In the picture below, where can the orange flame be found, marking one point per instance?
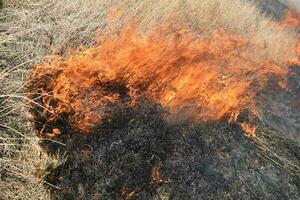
(249, 130)
(195, 79)
(291, 19)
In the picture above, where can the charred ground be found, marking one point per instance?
(136, 153)
(203, 161)
(212, 160)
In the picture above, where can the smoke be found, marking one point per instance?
(292, 4)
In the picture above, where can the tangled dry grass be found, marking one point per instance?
(39, 28)
(30, 30)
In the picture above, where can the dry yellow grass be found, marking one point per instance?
(33, 29)
(19, 150)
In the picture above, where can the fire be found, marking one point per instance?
(155, 176)
(291, 19)
(194, 78)
(249, 130)
(127, 195)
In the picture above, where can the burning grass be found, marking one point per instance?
(164, 83)
(195, 79)
(152, 113)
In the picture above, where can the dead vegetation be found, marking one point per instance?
(19, 150)
(40, 28)
(33, 29)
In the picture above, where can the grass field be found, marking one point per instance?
(31, 30)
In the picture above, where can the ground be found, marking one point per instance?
(138, 154)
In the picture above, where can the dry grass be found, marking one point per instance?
(33, 29)
(44, 27)
(19, 150)
(235, 16)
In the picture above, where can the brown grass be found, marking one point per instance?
(33, 29)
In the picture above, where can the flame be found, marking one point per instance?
(194, 78)
(291, 19)
(249, 130)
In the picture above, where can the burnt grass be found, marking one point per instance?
(212, 160)
(201, 161)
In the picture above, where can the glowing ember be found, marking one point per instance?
(127, 195)
(249, 130)
(155, 176)
(195, 79)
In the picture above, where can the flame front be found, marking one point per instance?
(194, 78)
